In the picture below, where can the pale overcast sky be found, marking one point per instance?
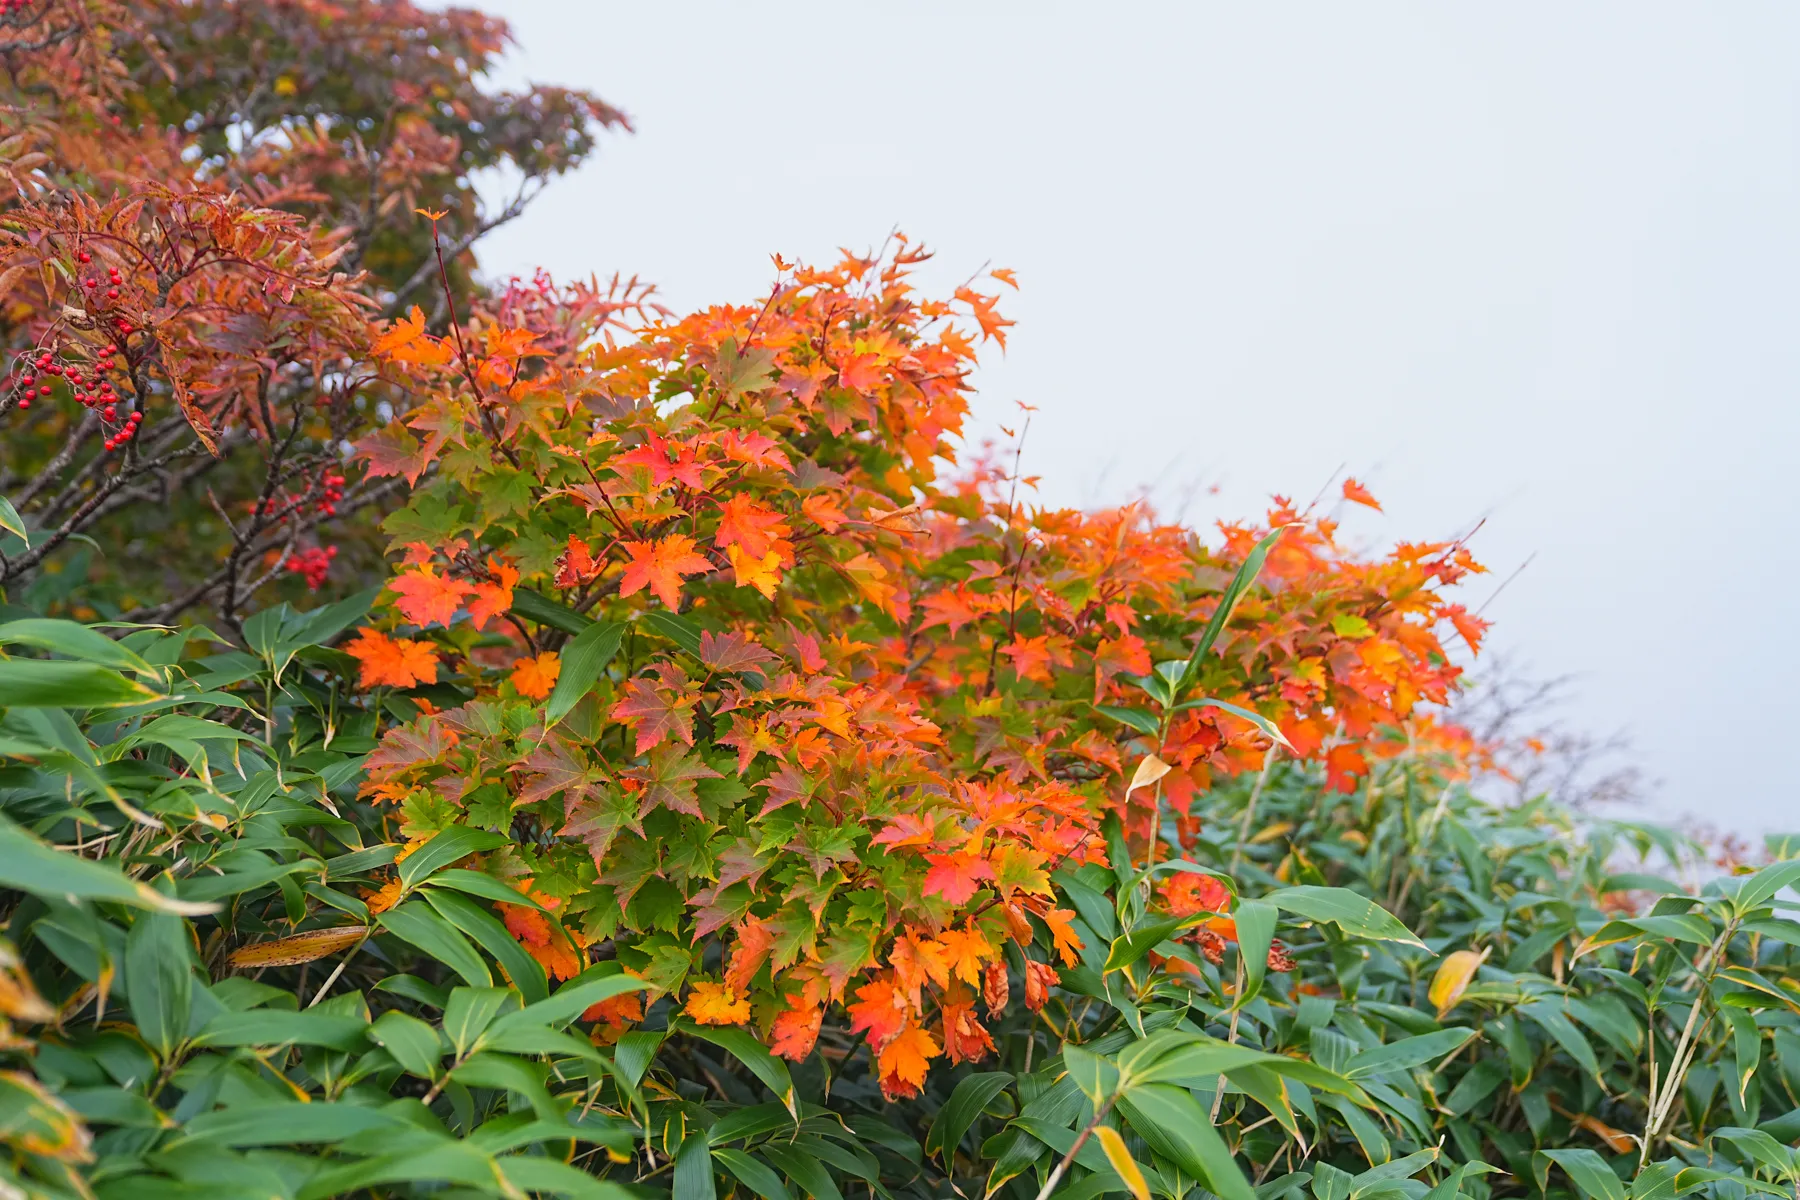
(1533, 262)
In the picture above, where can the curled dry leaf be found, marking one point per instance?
(300, 948)
(1147, 773)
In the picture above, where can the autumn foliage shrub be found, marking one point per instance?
(740, 656)
(727, 783)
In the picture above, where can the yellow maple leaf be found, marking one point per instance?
(714, 1004)
(759, 573)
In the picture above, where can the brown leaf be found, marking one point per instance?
(305, 947)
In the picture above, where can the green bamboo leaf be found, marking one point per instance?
(802, 1169)
(754, 1055)
(413, 1044)
(676, 628)
(694, 1169)
(12, 522)
(416, 923)
(159, 979)
(582, 661)
(1174, 1125)
(1256, 933)
(525, 971)
(29, 865)
(1136, 718)
(1240, 583)
(1406, 1053)
(285, 1122)
(1590, 1173)
(752, 1173)
(1267, 727)
(74, 640)
(444, 848)
(56, 683)
(284, 1027)
(1356, 915)
(966, 1103)
(542, 610)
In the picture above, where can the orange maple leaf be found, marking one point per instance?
(493, 598)
(534, 677)
(904, 1061)
(796, 1030)
(660, 566)
(1356, 492)
(745, 523)
(1344, 765)
(714, 1004)
(748, 956)
(880, 1010)
(1062, 935)
(824, 512)
(394, 662)
(426, 597)
(1472, 627)
(956, 877)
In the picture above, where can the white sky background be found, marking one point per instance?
(1539, 263)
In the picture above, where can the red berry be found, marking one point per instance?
(112, 293)
(90, 283)
(86, 257)
(24, 404)
(44, 391)
(136, 417)
(110, 413)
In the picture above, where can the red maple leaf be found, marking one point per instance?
(657, 712)
(669, 780)
(660, 567)
(666, 461)
(732, 651)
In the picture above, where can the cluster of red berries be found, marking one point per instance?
(312, 564)
(92, 283)
(334, 491)
(9, 7)
(89, 386)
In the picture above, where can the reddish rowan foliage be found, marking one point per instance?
(207, 202)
